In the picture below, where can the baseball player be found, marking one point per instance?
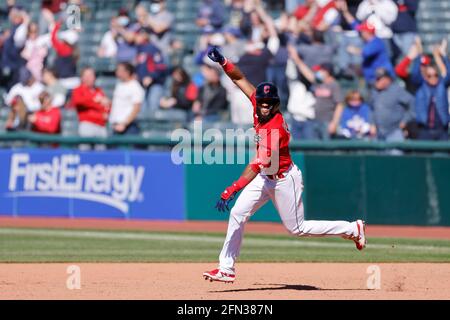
(262, 180)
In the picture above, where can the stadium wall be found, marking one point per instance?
(129, 184)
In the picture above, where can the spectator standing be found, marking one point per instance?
(127, 100)
(236, 13)
(374, 52)
(402, 68)
(23, 98)
(356, 121)
(258, 55)
(380, 14)
(393, 107)
(344, 36)
(210, 16)
(48, 118)
(123, 32)
(212, 97)
(183, 92)
(92, 106)
(151, 71)
(35, 50)
(317, 52)
(432, 108)
(234, 49)
(327, 93)
(108, 46)
(405, 26)
(234, 46)
(4, 11)
(66, 54)
(160, 21)
(11, 60)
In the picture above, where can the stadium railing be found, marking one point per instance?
(27, 139)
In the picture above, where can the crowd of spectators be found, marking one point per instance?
(307, 50)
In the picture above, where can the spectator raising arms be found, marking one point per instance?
(66, 52)
(127, 100)
(432, 113)
(48, 118)
(256, 59)
(374, 52)
(92, 106)
(379, 13)
(327, 92)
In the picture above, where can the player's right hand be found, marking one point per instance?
(215, 55)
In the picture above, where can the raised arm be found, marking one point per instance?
(301, 66)
(273, 43)
(232, 72)
(341, 5)
(439, 52)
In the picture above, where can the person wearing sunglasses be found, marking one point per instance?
(431, 107)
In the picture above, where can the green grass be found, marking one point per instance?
(50, 245)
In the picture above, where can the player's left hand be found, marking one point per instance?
(225, 198)
(223, 205)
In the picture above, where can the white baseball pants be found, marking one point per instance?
(286, 196)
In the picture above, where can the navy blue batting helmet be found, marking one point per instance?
(267, 93)
(267, 90)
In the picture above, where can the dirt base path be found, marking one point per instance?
(209, 226)
(255, 281)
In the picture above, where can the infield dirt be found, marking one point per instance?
(254, 281)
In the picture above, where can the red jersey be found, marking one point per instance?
(272, 136)
(47, 121)
(90, 110)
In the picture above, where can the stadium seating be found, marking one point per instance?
(69, 122)
(433, 20)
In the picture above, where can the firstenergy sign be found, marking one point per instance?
(65, 176)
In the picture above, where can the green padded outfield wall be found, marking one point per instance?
(394, 190)
(205, 183)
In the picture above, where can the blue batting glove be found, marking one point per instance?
(223, 204)
(215, 55)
